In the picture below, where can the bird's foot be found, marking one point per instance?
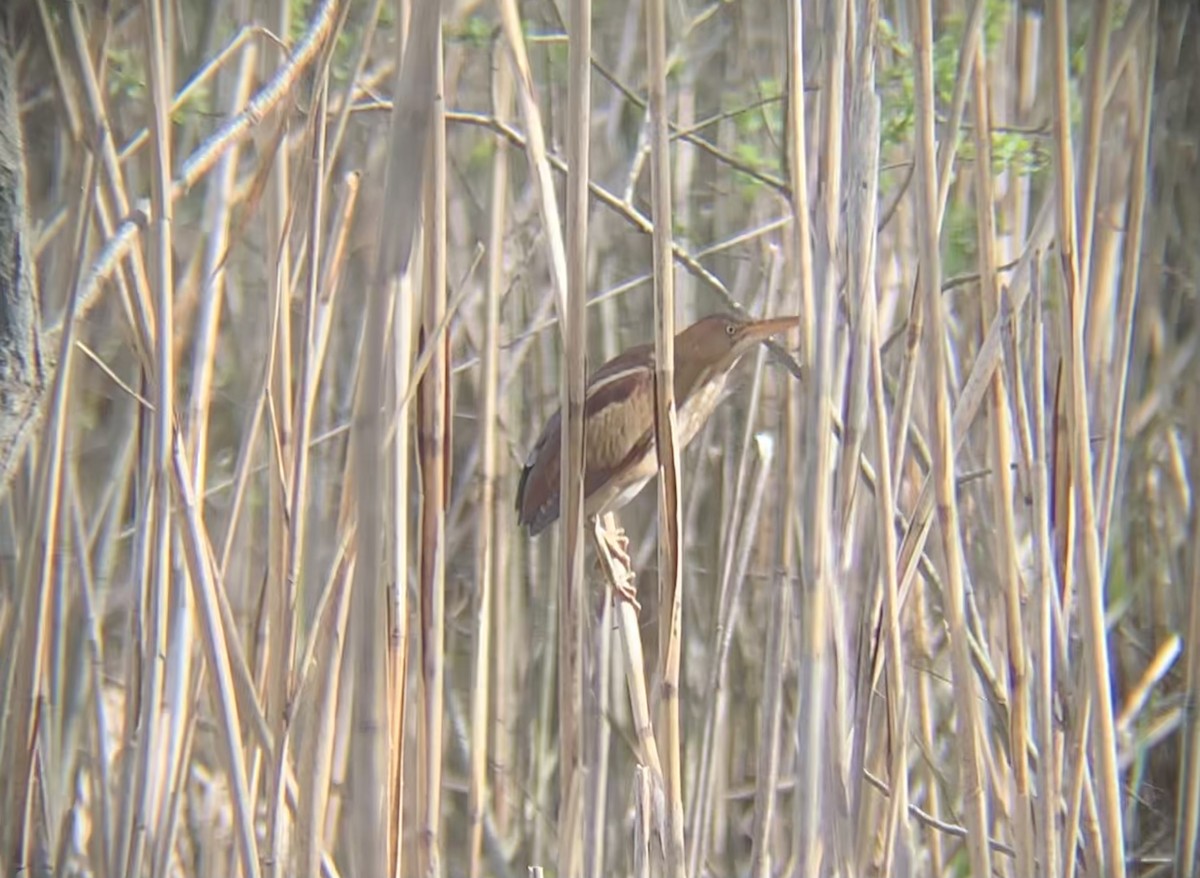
(617, 567)
(618, 544)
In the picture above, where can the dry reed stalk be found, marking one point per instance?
(313, 797)
(1031, 421)
(101, 744)
(208, 318)
(670, 547)
(572, 769)
(739, 521)
(817, 772)
(201, 573)
(862, 175)
(1074, 277)
(433, 447)
(948, 146)
(376, 829)
(507, 609)
(294, 493)
(969, 732)
(282, 209)
(868, 385)
(915, 324)
(599, 727)
(1004, 494)
(151, 771)
(776, 660)
(800, 272)
(1130, 287)
(487, 569)
(619, 577)
(318, 750)
(896, 832)
(535, 148)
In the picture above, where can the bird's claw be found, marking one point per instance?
(616, 545)
(627, 592)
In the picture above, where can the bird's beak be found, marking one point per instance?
(761, 330)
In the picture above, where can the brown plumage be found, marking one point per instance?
(618, 433)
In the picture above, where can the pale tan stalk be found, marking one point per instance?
(948, 145)
(1131, 258)
(152, 769)
(318, 747)
(433, 445)
(1004, 495)
(776, 655)
(573, 377)
(296, 490)
(1033, 431)
(631, 644)
(1075, 765)
(507, 612)
(1099, 35)
(375, 836)
(282, 212)
(486, 567)
(101, 778)
(862, 182)
(861, 220)
(969, 732)
(539, 166)
(739, 523)
(399, 636)
(816, 773)
(1029, 28)
(208, 319)
(896, 832)
(947, 149)
(670, 539)
(1104, 745)
(202, 579)
(599, 727)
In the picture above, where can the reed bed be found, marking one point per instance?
(310, 277)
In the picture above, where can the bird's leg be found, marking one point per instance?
(612, 556)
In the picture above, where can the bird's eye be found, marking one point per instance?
(730, 329)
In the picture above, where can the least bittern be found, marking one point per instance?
(619, 448)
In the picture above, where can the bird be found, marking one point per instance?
(619, 448)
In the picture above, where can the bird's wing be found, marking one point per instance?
(619, 424)
(619, 393)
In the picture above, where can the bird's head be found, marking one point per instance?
(712, 346)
